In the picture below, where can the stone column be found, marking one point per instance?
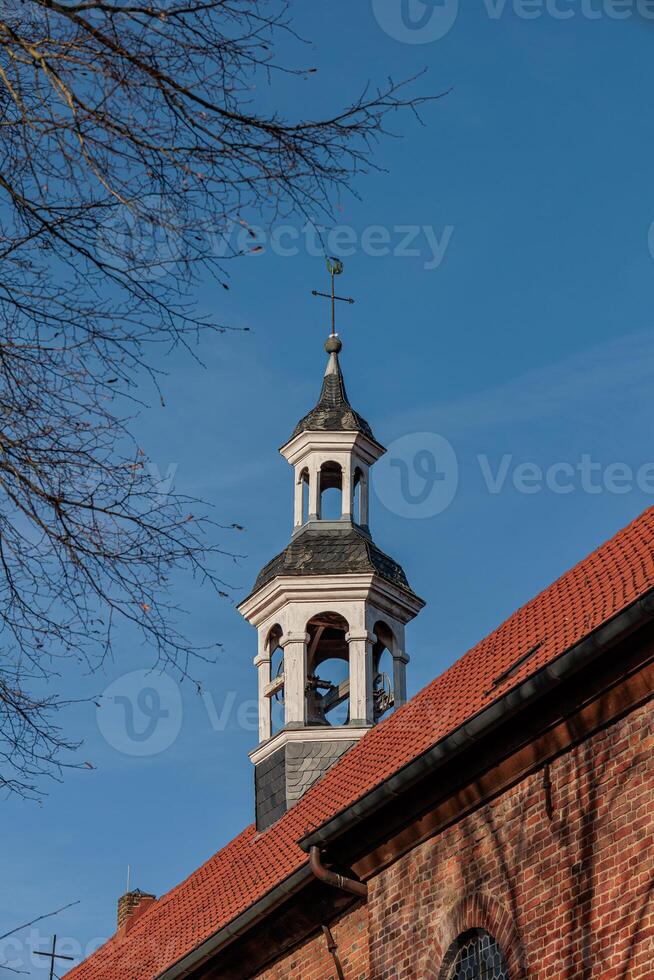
(360, 646)
(262, 663)
(295, 678)
(363, 498)
(400, 660)
(299, 487)
(346, 489)
(314, 492)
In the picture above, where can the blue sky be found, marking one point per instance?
(514, 340)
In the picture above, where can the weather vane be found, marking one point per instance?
(335, 268)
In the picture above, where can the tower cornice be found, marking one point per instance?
(300, 446)
(289, 736)
(267, 602)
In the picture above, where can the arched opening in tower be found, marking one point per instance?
(331, 491)
(276, 655)
(328, 672)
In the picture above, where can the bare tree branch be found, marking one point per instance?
(39, 918)
(132, 135)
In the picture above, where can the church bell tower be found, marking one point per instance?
(330, 610)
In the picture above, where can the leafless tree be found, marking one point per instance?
(132, 135)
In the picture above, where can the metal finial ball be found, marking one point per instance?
(333, 345)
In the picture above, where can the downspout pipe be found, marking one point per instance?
(238, 927)
(266, 906)
(350, 885)
(332, 946)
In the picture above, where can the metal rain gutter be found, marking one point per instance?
(233, 930)
(480, 725)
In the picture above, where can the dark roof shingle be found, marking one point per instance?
(333, 413)
(332, 551)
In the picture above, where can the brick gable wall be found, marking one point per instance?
(558, 868)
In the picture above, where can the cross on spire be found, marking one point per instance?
(53, 955)
(335, 268)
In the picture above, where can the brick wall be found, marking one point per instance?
(314, 962)
(558, 868)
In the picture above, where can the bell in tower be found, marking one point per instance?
(330, 610)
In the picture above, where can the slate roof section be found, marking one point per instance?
(333, 413)
(332, 551)
(586, 597)
(308, 761)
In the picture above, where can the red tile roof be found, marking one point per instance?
(591, 593)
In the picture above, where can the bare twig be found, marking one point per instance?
(132, 136)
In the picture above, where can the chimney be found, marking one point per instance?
(131, 905)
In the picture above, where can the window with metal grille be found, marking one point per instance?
(474, 955)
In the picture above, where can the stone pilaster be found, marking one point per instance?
(360, 646)
(295, 677)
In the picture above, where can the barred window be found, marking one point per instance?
(474, 955)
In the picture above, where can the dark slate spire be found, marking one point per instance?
(333, 413)
(337, 551)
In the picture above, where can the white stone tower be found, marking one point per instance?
(330, 610)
